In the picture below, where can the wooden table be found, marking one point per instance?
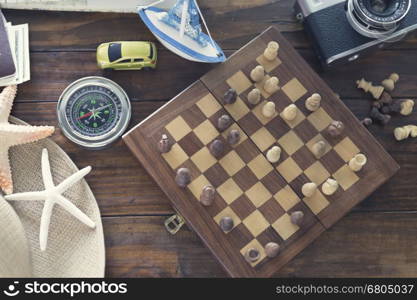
(379, 238)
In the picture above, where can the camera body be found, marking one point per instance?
(331, 26)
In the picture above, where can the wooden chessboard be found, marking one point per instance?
(259, 196)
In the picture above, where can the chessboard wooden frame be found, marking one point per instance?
(143, 139)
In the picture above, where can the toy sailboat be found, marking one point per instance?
(179, 29)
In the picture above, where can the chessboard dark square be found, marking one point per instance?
(271, 210)
(243, 207)
(245, 178)
(277, 127)
(298, 183)
(240, 236)
(305, 131)
(273, 182)
(250, 124)
(216, 175)
(332, 161)
(190, 144)
(193, 116)
(247, 151)
(270, 235)
(304, 158)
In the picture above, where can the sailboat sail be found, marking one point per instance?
(180, 30)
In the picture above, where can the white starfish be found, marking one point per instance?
(13, 135)
(53, 195)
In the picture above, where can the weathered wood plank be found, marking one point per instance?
(360, 245)
(49, 79)
(233, 23)
(132, 191)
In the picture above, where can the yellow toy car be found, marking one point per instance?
(127, 55)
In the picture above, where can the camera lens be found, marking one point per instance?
(376, 18)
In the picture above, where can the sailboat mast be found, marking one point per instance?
(183, 17)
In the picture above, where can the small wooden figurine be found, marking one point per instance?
(290, 112)
(329, 187)
(271, 85)
(335, 128)
(257, 74)
(313, 102)
(273, 155)
(309, 189)
(376, 91)
(216, 148)
(207, 195)
(357, 162)
(183, 177)
(297, 217)
(164, 144)
(230, 96)
(254, 96)
(268, 110)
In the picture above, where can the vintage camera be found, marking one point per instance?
(344, 30)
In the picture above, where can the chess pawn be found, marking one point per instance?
(407, 107)
(268, 110)
(233, 137)
(357, 162)
(226, 224)
(335, 128)
(216, 148)
(309, 189)
(329, 187)
(183, 177)
(164, 145)
(207, 195)
(319, 149)
(273, 155)
(257, 74)
(271, 85)
(297, 217)
(224, 122)
(272, 249)
(389, 83)
(271, 51)
(376, 91)
(230, 96)
(290, 112)
(254, 96)
(313, 102)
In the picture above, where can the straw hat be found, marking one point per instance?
(73, 250)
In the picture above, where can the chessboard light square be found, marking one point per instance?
(197, 185)
(317, 173)
(239, 82)
(254, 244)
(237, 110)
(232, 163)
(256, 223)
(203, 159)
(346, 149)
(229, 191)
(345, 177)
(287, 198)
(178, 128)
(317, 202)
(284, 227)
(298, 119)
(290, 142)
(316, 139)
(289, 169)
(208, 105)
(294, 89)
(268, 65)
(206, 132)
(175, 157)
(320, 119)
(228, 212)
(234, 126)
(257, 111)
(258, 194)
(260, 166)
(263, 138)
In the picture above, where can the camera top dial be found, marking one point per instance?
(376, 18)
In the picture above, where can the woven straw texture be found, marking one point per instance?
(73, 249)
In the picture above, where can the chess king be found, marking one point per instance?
(342, 30)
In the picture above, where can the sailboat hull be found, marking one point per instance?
(183, 46)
